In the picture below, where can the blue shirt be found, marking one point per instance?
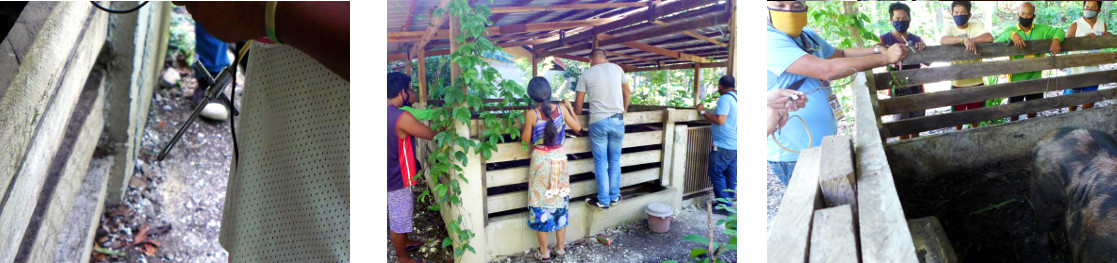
(782, 52)
(725, 135)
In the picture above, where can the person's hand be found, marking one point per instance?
(896, 53)
(1018, 41)
(920, 46)
(776, 119)
(970, 45)
(1056, 46)
(786, 100)
(700, 107)
(229, 21)
(1092, 35)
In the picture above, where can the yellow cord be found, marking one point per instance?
(240, 54)
(810, 139)
(269, 21)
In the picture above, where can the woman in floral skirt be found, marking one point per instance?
(549, 185)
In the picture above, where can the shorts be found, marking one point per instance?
(401, 206)
(1080, 90)
(968, 106)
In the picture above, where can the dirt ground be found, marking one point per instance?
(176, 202)
(632, 242)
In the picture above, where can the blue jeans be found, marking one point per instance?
(722, 172)
(782, 170)
(605, 138)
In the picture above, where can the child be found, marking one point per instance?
(549, 186)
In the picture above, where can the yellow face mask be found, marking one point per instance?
(788, 22)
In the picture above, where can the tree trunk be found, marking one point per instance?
(850, 8)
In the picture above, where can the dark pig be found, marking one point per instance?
(1074, 185)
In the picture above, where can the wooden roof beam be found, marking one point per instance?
(629, 56)
(426, 36)
(504, 30)
(497, 17)
(695, 35)
(442, 52)
(629, 39)
(543, 8)
(658, 11)
(679, 66)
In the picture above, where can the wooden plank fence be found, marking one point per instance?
(927, 101)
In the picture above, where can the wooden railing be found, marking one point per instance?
(518, 175)
(926, 101)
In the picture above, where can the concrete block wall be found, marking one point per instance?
(138, 46)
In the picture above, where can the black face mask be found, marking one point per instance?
(1026, 22)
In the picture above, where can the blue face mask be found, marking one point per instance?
(961, 19)
(901, 26)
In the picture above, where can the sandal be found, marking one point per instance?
(560, 252)
(414, 246)
(540, 257)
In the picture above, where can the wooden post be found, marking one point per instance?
(837, 180)
(534, 65)
(730, 68)
(833, 238)
(407, 65)
(422, 56)
(668, 146)
(678, 166)
(790, 235)
(473, 213)
(697, 81)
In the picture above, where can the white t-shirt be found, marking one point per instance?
(602, 85)
(288, 199)
(1081, 31)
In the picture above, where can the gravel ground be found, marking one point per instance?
(176, 202)
(632, 242)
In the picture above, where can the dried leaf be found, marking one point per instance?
(149, 249)
(140, 235)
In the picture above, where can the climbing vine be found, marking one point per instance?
(464, 97)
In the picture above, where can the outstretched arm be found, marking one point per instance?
(319, 29)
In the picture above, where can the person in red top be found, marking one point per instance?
(401, 125)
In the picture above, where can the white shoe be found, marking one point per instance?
(215, 111)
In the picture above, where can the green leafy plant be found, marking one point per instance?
(181, 40)
(703, 254)
(464, 96)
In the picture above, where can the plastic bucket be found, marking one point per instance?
(659, 217)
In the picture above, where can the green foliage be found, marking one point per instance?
(672, 87)
(181, 40)
(730, 223)
(477, 81)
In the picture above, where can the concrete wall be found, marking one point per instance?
(510, 234)
(137, 44)
(941, 155)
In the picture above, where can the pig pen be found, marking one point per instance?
(975, 182)
(950, 197)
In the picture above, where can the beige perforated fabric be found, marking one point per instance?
(288, 199)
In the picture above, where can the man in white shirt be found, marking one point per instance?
(604, 86)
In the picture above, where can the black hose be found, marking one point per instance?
(119, 11)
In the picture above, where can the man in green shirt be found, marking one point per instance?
(420, 114)
(1023, 31)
